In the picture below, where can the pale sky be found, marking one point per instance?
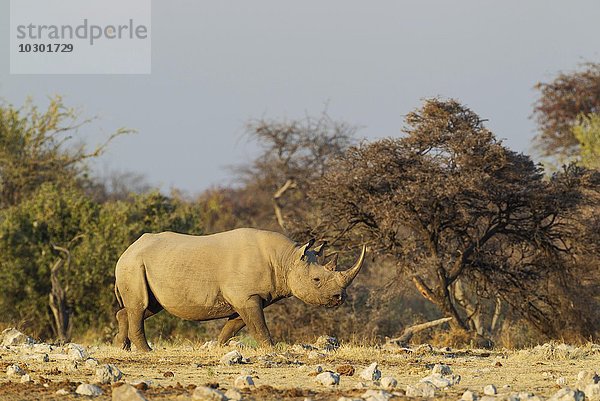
(217, 64)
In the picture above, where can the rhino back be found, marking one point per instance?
(204, 277)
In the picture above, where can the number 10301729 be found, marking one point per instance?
(45, 47)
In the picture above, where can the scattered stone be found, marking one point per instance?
(586, 377)
(566, 394)
(209, 345)
(236, 344)
(88, 389)
(345, 370)
(316, 370)
(489, 398)
(328, 379)
(231, 358)
(243, 382)
(441, 369)
(62, 391)
(76, 352)
(592, 392)
(42, 348)
(349, 399)
(303, 347)
(203, 393)
(127, 392)
(561, 381)
(233, 394)
(327, 343)
(25, 378)
(168, 374)
(490, 389)
(91, 363)
(423, 389)
(107, 374)
(469, 396)
(498, 364)
(12, 336)
(316, 355)
(43, 358)
(371, 373)
(376, 395)
(14, 370)
(440, 381)
(388, 382)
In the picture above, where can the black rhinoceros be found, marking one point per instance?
(233, 274)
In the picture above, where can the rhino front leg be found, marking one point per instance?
(253, 316)
(231, 328)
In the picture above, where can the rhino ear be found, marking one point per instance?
(320, 253)
(306, 248)
(332, 264)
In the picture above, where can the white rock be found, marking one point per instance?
(91, 362)
(327, 343)
(469, 396)
(76, 352)
(126, 392)
(376, 395)
(14, 370)
(317, 369)
(25, 378)
(233, 394)
(328, 379)
(107, 374)
(371, 372)
(441, 369)
(12, 336)
(208, 394)
(422, 389)
(388, 382)
(209, 345)
(349, 399)
(488, 398)
(490, 389)
(316, 355)
(243, 381)
(231, 358)
(42, 348)
(561, 381)
(88, 389)
(62, 391)
(592, 392)
(586, 377)
(236, 344)
(440, 381)
(566, 394)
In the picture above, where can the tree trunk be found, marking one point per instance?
(61, 311)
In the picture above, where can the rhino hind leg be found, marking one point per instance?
(121, 339)
(230, 329)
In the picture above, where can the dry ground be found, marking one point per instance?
(284, 372)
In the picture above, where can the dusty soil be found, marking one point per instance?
(285, 372)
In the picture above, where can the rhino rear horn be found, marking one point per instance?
(350, 274)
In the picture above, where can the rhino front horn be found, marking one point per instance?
(350, 274)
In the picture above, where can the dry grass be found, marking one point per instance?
(286, 370)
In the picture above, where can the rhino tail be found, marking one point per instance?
(118, 295)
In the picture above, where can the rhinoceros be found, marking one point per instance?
(233, 274)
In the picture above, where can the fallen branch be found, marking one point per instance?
(412, 330)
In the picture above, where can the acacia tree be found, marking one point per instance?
(294, 153)
(449, 202)
(559, 106)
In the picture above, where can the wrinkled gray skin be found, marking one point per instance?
(233, 274)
